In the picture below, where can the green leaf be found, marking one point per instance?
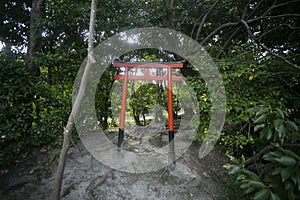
(244, 186)
(294, 178)
(235, 160)
(260, 119)
(256, 184)
(251, 174)
(289, 185)
(286, 160)
(243, 159)
(249, 190)
(243, 117)
(285, 174)
(266, 133)
(293, 125)
(241, 177)
(259, 126)
(280, 131)
(276, 171)
(271, 156)
(274, 196)
(262, 195)
(233, 169)
(261, 111)
(290, 153)
(277, 123)
(280, 112)
(279, 127)
(269, 132)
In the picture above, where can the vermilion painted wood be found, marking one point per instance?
(169, 78)
(147, 78)
(149, 65)
(170, 100)
(123, 103)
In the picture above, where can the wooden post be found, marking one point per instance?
(171, 153)
(123, 109)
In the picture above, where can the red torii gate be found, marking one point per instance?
(169, 78)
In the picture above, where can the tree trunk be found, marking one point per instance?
(170, 23)
(35, 16)
(136, 116)
(144, 118)
(75, 108)
(104, 122)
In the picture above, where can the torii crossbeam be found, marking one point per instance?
(169, 78)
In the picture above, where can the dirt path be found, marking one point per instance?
(86, 178)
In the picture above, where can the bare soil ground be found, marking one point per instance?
(86, 178)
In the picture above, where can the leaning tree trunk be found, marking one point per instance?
(75, 108)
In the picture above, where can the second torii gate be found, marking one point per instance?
(169, 78)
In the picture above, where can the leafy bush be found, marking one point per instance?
(16, 114)
(32, 113)
(274, 172)
(261, 133)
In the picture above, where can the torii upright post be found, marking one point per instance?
(171, 153)
(123, 110)
(169, 78)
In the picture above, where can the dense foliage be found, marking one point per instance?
(255, 45)
(16, 116)
(263, 140)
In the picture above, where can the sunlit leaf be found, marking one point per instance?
(232, 169)
(280, 112)
(258, 127)
(268, 132)
(260, 119)
(241, 177)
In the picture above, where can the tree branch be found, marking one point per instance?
(248, 21)
(266, 48)
(278, 5)
(228, 40)
(267, 32)
(292, 27)
(204, 18)
(196, 24)
(256, 7)
(217, 30)
(244, 10)
(267, 149)
(272, 17)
